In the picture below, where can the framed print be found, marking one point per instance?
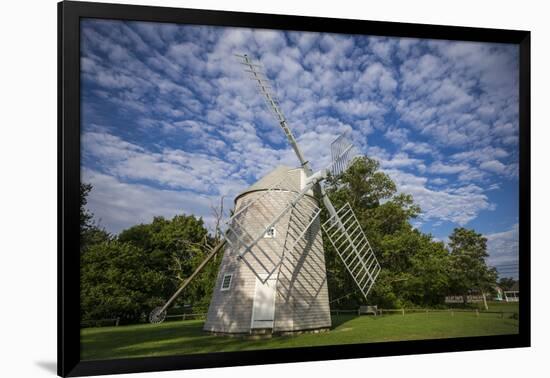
(238, 187)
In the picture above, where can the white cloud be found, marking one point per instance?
(213, 133)
(174, 168)
(493, 166)
(397, 135)
(439, 181)
(472, 174)
(400, 160)
(457, 205)
(503, 248)
(420, 148)
(453, 94)
(480, 155)
(118, 205)
(377, 77)
(382, 47)
(442, 168)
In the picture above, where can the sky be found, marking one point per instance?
(171, 123)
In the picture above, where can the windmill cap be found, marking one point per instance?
(287, 178)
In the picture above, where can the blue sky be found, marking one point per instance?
(170, 122)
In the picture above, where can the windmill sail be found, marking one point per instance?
(247, 228)
(348, 239)
(303, 259)
(256, 216)
(342, 227)
(340, 150)
(272, 102)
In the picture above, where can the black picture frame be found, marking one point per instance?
(69, 15)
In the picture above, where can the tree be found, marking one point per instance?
(506, 283)
(128, 275)
(414, 266)
(364, 187)
(90, 232)
(115, 282)
(469, 270)
(140, 269)
(362, 184)
(85, 215)
(174, 248)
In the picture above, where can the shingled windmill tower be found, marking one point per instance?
(272, 278)
(281, 285)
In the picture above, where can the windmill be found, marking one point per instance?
(272, 277)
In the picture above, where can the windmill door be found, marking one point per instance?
(263, 311)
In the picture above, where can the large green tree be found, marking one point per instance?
(414, 266)
(128, 275)
(115, 282)
(174, 248)
(468, 268)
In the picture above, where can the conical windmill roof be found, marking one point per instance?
(287, 178)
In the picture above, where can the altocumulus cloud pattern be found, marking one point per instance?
(170, 123)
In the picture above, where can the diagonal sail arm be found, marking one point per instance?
(342, 227)
(246, 246)
(348, 239)
(264, 88)
(340, 147)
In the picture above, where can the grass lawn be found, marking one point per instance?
(500, 306)
(187, 337)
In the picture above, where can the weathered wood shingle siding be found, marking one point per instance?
(301, 290)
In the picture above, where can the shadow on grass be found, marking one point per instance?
(185, 337)
(339, 320)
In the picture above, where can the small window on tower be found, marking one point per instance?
(270, 233)
(226, 282)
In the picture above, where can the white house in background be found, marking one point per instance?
(499, 296)
(512, 295)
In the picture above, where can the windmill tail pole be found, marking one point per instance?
(218, 247)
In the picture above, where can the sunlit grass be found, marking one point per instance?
(187, 337)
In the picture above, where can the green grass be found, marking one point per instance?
(501, 306)
(187, 337)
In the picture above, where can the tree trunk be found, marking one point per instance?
(484, 301)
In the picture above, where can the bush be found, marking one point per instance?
(115, 283)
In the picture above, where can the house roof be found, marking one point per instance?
(283, 177)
